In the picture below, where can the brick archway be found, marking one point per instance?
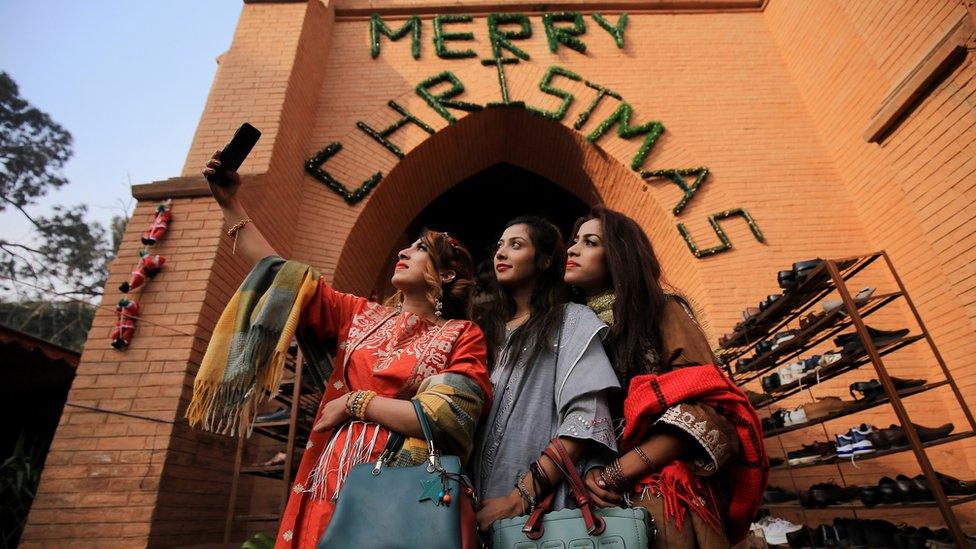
(511, 135)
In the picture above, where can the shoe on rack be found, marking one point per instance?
(278, 415)
(804, 268)
(763, 346)
(852, 344)
(855, 442)
(781, 338)
(912, 490)
(873, 389)
(895, 437)
(862, 297)
(830, 357)
(277, 459)
(770, 299)
(809, 319)
(812, 453)
(795, 416)
(775, 494)
(824, 407)
(770, 383)
(790, 373)
(786, 279)
(824, 494)
(774, 529)
(755, 398)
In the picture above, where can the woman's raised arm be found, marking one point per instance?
(251, 244)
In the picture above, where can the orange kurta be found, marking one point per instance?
(380, 350)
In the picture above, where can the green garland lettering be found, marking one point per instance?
(381, 135)
(601, 92)
(616, 31)
(566, 36)
(502, 39)
(621, 118)
(678, 178)
(440, 103)
(726, 244)
(378, 27)
(314, 167)
(499, 64)
(440, 37)
(546, 86)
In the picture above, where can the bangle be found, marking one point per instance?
(350, 403)
(613, 477)
(647, 461)
(524, 492)
(363, 403)
(232, 232)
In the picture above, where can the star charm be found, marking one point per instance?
(432, 488)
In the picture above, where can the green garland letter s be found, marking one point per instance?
(314, 168)
(378, 27)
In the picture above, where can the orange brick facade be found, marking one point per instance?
(773, 97)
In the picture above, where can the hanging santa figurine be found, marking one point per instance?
(164, 214)
(148, 266)
(125, 324)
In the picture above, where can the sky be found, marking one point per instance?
(128, 79)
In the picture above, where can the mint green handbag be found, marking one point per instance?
(404, 507)
(582, 528)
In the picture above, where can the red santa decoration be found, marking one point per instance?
(160, 224)
(125, 325)
(148, 266)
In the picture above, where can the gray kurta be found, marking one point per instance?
(562, 393)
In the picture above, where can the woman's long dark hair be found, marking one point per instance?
(639, 303)
(496, 306)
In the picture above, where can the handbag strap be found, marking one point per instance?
(595, 525)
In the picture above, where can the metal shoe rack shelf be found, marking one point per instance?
(830, 276)
(301, 396)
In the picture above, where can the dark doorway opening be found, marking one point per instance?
(476, 210)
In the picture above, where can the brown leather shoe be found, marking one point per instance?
(824, 407)
(895, 437)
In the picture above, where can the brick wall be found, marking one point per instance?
(773, 99)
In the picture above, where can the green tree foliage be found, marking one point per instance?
(65, 256)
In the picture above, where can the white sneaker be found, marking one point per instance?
(775, 530)
(830, 358)
(831, 305)
(795, 416)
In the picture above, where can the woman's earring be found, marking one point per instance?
(438, 308)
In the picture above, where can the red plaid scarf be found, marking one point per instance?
(745, 475)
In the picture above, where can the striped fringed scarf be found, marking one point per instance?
(249, 344)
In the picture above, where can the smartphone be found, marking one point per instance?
(233, 155)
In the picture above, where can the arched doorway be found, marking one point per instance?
(476, 209)
(503, 136)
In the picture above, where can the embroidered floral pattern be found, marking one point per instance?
(697, 425)
(287, 535)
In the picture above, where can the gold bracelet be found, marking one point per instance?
(367, 396)
(232, 232)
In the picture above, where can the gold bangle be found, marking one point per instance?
(367, 396)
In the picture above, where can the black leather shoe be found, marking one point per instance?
(889, 491)
(911, 490)
(894, 436)
(774, 494)
(879, 533)
(278, 415)
(786, 279)
(770, 383)
(803, 268)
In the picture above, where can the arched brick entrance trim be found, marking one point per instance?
(511, 135)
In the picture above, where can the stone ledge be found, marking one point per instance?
(174, 187)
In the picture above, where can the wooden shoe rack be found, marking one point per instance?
(829, 277)
(301, 395)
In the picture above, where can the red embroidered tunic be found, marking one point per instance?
(383, 351)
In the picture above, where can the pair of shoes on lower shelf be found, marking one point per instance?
(824, 494)
(895, 437)
(774, 529)
(873, 389)
(855, 442)
(774, 494)
(791, 373)
(811, 411)
(905, 489)
(812, 453)
(846, 532)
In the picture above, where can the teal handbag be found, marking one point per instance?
(404, 507)
(582, 528)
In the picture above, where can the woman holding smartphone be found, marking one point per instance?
(416, 347)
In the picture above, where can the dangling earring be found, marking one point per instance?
(438, 306)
